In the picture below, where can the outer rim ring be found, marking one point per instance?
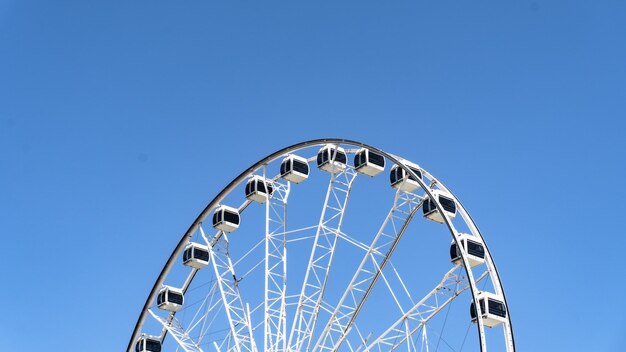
(396, 160)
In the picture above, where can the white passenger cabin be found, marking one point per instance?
(402, 180)
(492, 309)
(259, 189)
(196, 255)
(226, 218)
(474, 249)
(447, 203)
(294, 169)
(331, 158)
(147, 343)
(368, 162)
(170, 299)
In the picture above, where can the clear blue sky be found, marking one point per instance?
(120, 120)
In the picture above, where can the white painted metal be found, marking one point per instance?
(321, 258)
(205, 316)
(178, 333)
(368, 272)
(493, 273)
(234, 307)
(424, 346)
(431, 194)
(275, 315)
(240, 336)
(452, 285)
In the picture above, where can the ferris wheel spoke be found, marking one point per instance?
(238, 315)
(179, 334)
(275, 316)
(451, 286)
(368, 272)
(217, 347)
(192, 274)
(225, 343)
(321, 257)
(214, 315)
(204, 320)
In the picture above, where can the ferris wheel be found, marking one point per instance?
(313, 249)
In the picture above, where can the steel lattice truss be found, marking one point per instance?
(452, 285)
(275, 337)
(368, 272)
(177, 331)
(321, 258)
(294, 312)
(238, 314)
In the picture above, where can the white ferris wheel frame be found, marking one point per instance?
(279, 337)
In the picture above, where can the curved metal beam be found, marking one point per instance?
(488, 259)
(233, 184)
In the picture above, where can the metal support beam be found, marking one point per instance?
(368, 272)
(321, 258)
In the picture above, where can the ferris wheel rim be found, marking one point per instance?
(310, 143)
(492, 263)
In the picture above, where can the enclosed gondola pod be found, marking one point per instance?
(226, 218)
(368, 162)
(400, 179)
(474, 249)
(331, 158)
(294, 169)
(147, 343)
(492, 309)
(170, 299)
(196, 255)
(259, 189)
(447, 203)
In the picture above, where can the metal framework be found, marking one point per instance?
(322, 254)
(275, 337)
(368, 272)
(452, 285)
(238, 314)
(177, 331)
(225, 296)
